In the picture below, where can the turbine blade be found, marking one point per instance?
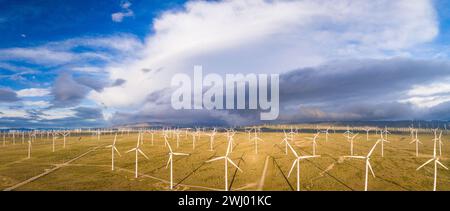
(357, 157)
(309, 156)
(373, 148)
(214, 159)
(371, 170)
(228, 148)
(130, 150)
(425, 164)
(168, 161)
(170, 148)
(115, 149)
(179, 153)
(292, 167)
(142, 153)
(292, 149)
(232, 163)
(441, 164)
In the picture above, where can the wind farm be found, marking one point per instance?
(231, 160)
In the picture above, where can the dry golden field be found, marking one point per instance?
(85, 164)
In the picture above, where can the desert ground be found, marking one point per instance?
(85, 163)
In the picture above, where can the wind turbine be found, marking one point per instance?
(436, 162)
(138, 151)
(382, 140)
(211, 139)
(314, 142)
(170, 161)
(230, 134)
(29, 148)
(348, 132)
(113, 149)
(227, 160)
(439, 141)
(292, 134)
(386, 132)
(64, 134)
(255, 138)
(367, 132)
(54, 134)
(326, 133)
(194, 135)
(285, 141)
(297, 162)
(351, 143)
(411, 131)
(368, 166)
(417, 141)
(177, 134)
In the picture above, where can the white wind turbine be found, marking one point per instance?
(368, 166)
(292, 134)
(113, 149)
(436, 162)
(230, 134)
(439, 141)
(314, 142)
(29, 148)
(227, 160)
(351, 139)
(382, 140)
(249, 134)
(386, 132)
(297, 163)
(138, 151)
(64, 134)
(54, 135)
(348, 132)
(367, 132)
(177, 134)
(211, 139)
(194, 136)
(326, 133)
(98, 133)
(255, 138)
(411, 131)
(417, 141)
(170, 161)
(285, 141)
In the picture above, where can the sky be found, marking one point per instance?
(103, 63)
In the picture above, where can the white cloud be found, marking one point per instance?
(59, 113)
(63, 52)
(7, 112)
(427, 96)
(36, 103)
(127, 12)
(267, 36)
(33, 92)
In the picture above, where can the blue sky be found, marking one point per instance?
(80, 63)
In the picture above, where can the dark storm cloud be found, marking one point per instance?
(95, 83)
(8, 95)
(359, 79)
(118, 82)
(339, 91)
(88, 113)
(67, 92)
(440, 112)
